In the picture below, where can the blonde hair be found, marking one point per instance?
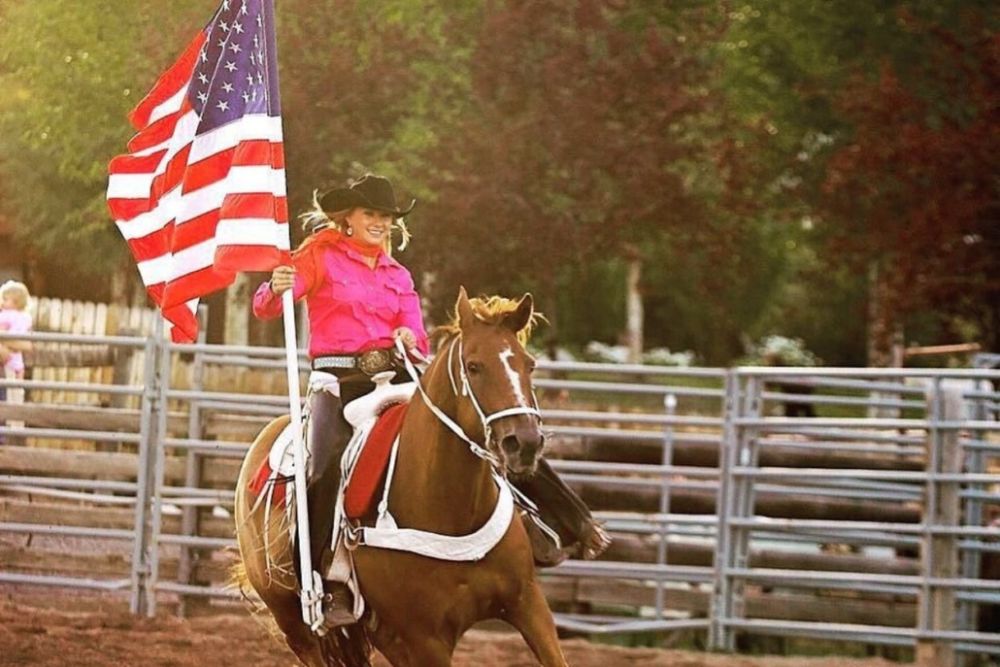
(17, 290)
(316, 219)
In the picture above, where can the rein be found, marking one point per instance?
(466, 390)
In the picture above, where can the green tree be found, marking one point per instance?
(72, 71)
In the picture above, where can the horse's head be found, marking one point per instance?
(494, 363)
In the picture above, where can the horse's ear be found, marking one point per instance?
(464, 309)
(520, 317)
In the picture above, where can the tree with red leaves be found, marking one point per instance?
(914, 191)
(882, 146)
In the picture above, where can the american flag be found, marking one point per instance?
(201, 193)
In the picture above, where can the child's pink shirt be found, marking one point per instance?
(15, 321)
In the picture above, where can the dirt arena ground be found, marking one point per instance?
(53, 628)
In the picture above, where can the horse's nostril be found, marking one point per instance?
(529, 456)
(510, 444)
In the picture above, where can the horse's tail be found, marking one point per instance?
(350, 646)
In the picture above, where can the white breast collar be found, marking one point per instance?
(386, 534)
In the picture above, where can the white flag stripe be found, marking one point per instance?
(240, 180)
(130, 186)
(253, 231)
(248, 128)
(166, 268)
(153, 271)
(169, 106)
(195, 258)
(186, 126)
(145, 224)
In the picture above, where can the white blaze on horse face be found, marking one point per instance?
(515, 380)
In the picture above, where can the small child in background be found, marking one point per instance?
(14, 318)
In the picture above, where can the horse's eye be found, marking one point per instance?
(474, 367)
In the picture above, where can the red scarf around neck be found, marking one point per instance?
(331, 236)
(364, 248)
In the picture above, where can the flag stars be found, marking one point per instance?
(253, 58)
(224, 26)
(202, 77)
(243, 8)
(235, 48)
(222, 43)
(260, 78)
(204, 55)
(238, 27)
(202, 97)
(225, 5)
(223, 105)
(249, 79)
(231, 66)
(228, 87)
(260, 21)
(246, 97)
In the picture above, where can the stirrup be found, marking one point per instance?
(338, 606)
(546, 548)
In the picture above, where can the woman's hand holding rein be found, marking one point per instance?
(406, 335)
(282, 279)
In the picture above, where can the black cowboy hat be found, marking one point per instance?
(371, 191)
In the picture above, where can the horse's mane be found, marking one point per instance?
(489, 310)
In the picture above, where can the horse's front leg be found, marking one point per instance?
(531, 615)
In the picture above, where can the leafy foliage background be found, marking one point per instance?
(768, 162)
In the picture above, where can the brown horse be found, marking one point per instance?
(418, 607)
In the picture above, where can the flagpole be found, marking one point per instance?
(308, 594)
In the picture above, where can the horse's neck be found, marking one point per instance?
(439, 485)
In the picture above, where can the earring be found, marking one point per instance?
(350, 231)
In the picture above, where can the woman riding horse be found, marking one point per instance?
(447, 549)
(360, 300)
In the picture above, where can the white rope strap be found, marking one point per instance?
(476, 448)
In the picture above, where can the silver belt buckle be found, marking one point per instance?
(375, 361)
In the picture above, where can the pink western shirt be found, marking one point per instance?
(352, 307)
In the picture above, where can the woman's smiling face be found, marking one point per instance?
(370, 226)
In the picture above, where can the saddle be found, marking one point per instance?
(376, 417)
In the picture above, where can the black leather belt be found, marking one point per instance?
(369, 363)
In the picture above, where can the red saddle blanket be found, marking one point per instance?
(369, 471)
